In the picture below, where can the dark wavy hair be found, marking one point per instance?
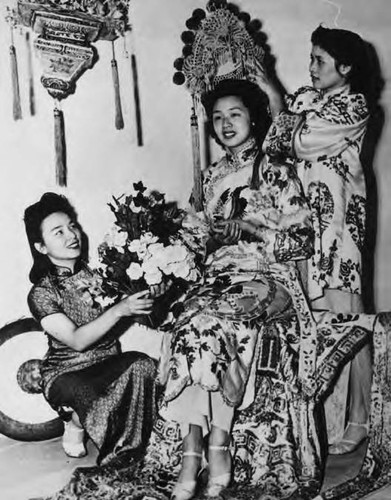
(252, 97)
(348, 48)
(34, 215)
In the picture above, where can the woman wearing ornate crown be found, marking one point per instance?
(321, 129)
(255, 224)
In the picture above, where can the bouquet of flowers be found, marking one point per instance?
(144, 248)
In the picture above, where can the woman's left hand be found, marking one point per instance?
(227, 232)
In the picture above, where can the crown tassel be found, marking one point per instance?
(197, 195)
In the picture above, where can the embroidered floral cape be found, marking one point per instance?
(323, 134)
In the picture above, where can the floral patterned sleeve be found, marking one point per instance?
(287, 231)
(43, 301)
(315, 126)
(279, 139)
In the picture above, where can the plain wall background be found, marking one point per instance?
(103, 161)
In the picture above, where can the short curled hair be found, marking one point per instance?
(34, 215)
(252, 97)
(348, 48)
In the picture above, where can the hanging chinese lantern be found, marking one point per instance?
(64, 34)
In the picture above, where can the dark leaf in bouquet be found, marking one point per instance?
(140, 200)
(128, 200)
(133, 226)
(112, 207)
(159, 197)
(173, 212)
(122, 224)
(139, 186)
(144, 221)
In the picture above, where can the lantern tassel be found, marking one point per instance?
(197, 176)
(119, 120)
(17, 109)
(136, 95)
(30, 75)
(60, 147)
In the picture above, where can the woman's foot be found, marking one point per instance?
(355, 434)
(73, 440)
(220, 465)
(186, 486)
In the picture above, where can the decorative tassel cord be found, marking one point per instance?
(30, 75)
(60, 147)
(137, 101)
(16, 107)
(197, 177)
(136, 93)
(119, 120)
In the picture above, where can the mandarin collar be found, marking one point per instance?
(243, 152)
(66, 272)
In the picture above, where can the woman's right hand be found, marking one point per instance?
(268, 85)
(137, 304)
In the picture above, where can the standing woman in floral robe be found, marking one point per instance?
(322, 129)
(96, 389)
(255, 224)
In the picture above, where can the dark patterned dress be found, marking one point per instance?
(323, 134)
(113, 393)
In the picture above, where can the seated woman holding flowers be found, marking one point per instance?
(95, 388)
(254, 226)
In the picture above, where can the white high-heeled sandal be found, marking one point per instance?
(185, 490)
(73, 440)
(216, 484)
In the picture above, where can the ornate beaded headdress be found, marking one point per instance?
(220, 43)
(64, 33)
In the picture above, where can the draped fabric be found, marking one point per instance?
(113, 393)
(323, 133)
(277, 441)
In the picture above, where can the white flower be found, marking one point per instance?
(152, 273)
(116, 238)
(148, 238)
(156, 250)
(136, 246)
(176, 253)
(154, 278)
(181, 271)
(134, 271)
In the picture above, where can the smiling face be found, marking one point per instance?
(231, 121)
(61, 239)
(325, 74)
